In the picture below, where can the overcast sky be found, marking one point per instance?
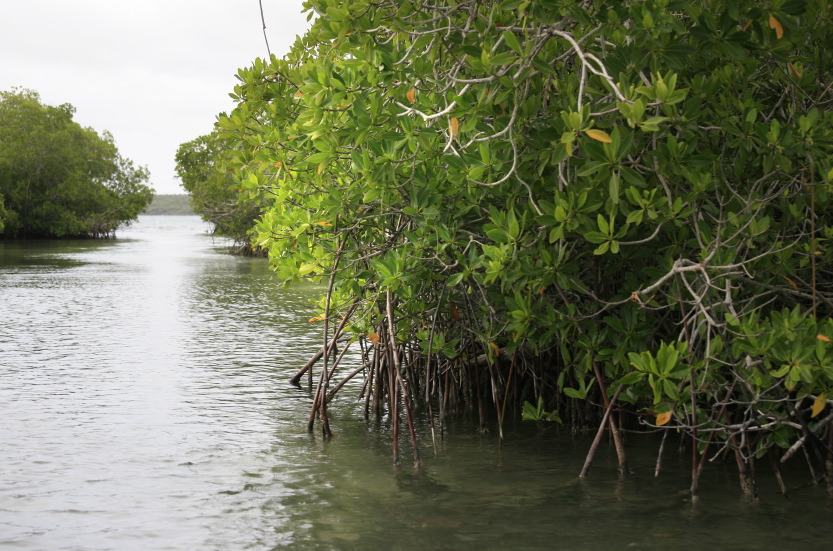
(155, 73)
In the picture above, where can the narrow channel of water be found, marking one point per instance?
(144, 404)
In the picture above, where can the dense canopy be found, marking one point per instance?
(59, 179)
(201, 166)
(587, 202)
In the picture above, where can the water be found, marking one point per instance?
(144, 404)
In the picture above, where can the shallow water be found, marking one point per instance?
(144, 404)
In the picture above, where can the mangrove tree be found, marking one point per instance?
(60, 179)
(620, 211)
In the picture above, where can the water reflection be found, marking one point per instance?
(144, 404)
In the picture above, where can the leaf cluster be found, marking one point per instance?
(213, 189)
(607, 184)
(59, 179)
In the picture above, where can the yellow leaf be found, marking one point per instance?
(791, 282)
(819, 403)
(453, 127)
(321, 167)
(663, 418)
(599, 135)
(822, 338)
(374, 338)
(495, 348)
(298, 95)
(278, 164)
(323, 223)
(748, 23)
(776, 25)
(411, 95)
(313, 320)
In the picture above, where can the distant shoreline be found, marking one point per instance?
(170, 204)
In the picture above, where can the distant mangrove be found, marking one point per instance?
(170, 204)
(60, 179)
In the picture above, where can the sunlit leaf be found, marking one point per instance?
(776, 25)
(599, 135)
(663, 418)
(818, 404)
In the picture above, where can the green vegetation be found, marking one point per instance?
(596, 207)
(215, 195)
(59, 179)
(170, 204)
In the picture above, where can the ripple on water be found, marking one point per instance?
(144, 405)
(138, 381)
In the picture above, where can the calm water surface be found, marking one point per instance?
(144, 404)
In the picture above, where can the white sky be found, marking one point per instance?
(155, 73)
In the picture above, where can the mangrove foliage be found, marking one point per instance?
(60, 179)
(201, 166)
(618, 211)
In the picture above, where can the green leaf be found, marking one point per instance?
(512, 41)
(630, 379)
(455, 279)
(613, 188)
(503, 59)
(652, 124)
(498, 235)
(635, 217)
(591, 168)
(596, 237)
(320, 157)
(604, 227)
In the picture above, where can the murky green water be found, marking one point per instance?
(144, 404)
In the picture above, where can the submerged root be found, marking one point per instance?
(399, 381)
